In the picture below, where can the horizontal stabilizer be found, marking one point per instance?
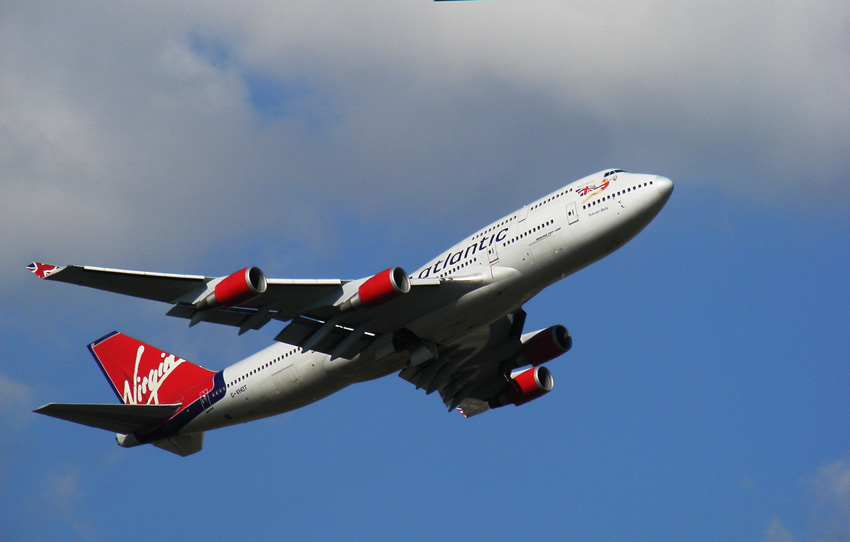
(183, 445)
(117, 418)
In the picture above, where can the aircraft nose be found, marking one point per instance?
(664, 186)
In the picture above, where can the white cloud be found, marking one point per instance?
(141, 149)
(831, 490)
(14, 401)
(776, 531)
(746, 97)
(123, 142)
(61, 494)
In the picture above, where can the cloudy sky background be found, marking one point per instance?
(706, 395)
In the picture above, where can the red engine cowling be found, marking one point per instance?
(546, 345)
(379, 289)
(240, 287)
(525, 386)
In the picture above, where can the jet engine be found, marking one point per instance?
(235, 289)
(545, 345)
(525, 386)
(379, 289)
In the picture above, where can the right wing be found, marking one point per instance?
(482, 371)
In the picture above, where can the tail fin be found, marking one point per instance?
(143, 374)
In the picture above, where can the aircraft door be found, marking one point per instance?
(493, 254)
(572, 213)
(523, 213)
(205, 400)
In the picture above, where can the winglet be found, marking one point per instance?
(44, 270)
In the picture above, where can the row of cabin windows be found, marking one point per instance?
(493, 227)
(527, 233)
(506, 243)
(535, 206)
(264, 366)
(456, 268)
(550, 198)
(614, 195)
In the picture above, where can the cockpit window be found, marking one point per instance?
(613, 171)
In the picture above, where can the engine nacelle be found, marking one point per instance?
(545, 345)
(240, 287)
(379, 289)
(525, 386)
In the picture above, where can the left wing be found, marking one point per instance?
(480, 373)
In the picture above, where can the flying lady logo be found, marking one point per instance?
(593, 189)
(145, 388)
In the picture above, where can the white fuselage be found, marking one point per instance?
(514, 258)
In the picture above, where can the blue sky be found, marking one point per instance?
(705, 397)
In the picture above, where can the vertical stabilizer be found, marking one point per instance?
(143, 374)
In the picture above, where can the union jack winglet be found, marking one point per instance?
(43, 270)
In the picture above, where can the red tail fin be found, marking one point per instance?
(143, 374)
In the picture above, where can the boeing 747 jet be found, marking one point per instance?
(454, 326)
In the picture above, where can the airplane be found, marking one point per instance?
(454, 326)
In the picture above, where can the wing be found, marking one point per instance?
(481, 371)
(156, 286)
(285, 295)
(337, 317)
(470, 374)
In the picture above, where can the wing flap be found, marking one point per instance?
(472, 407)
(298, 331)
(291, 297)
(230, 316)
(326, 337)
(111, 417)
